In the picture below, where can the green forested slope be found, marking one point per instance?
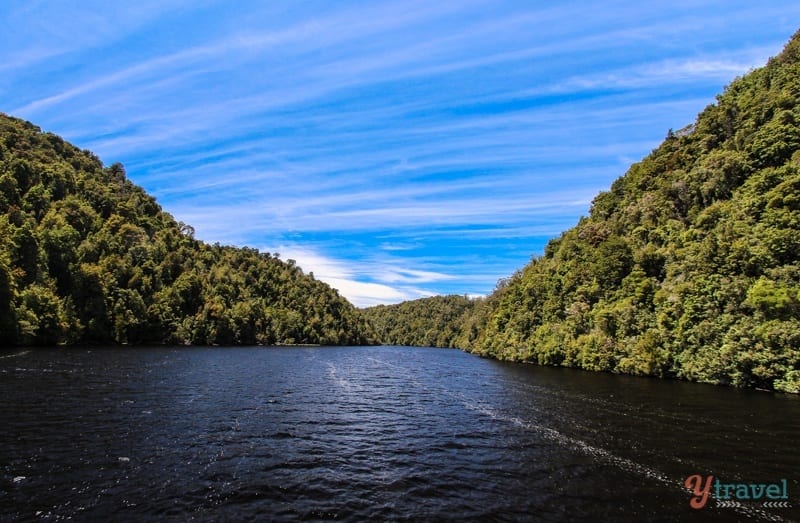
(689, 266)
(427, 322)
(86, 256)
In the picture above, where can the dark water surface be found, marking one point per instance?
(375, 433)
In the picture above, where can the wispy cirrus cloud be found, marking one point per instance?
(395, 149)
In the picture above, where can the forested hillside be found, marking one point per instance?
(689, 266)
(87, 256)
(427, 322)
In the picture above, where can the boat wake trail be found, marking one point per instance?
(17, 355)
(574, 444)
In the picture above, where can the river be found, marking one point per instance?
(377, 433)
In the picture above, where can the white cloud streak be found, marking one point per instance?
(388, 282)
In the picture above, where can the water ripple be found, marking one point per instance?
(353, 434)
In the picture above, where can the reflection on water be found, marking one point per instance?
(386, 433)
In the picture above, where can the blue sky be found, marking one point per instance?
(395, 149)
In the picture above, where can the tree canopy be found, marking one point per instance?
(427, 322)
(688, 267)
(86, 256)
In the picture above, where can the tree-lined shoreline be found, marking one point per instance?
(688, 267)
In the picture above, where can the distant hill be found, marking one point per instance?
(688, 267)
(86, 256)
(427, 322)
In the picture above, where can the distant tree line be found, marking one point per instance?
(427, 322)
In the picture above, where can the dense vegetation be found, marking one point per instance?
(427, 322)
(87, 256)
(688, 267)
